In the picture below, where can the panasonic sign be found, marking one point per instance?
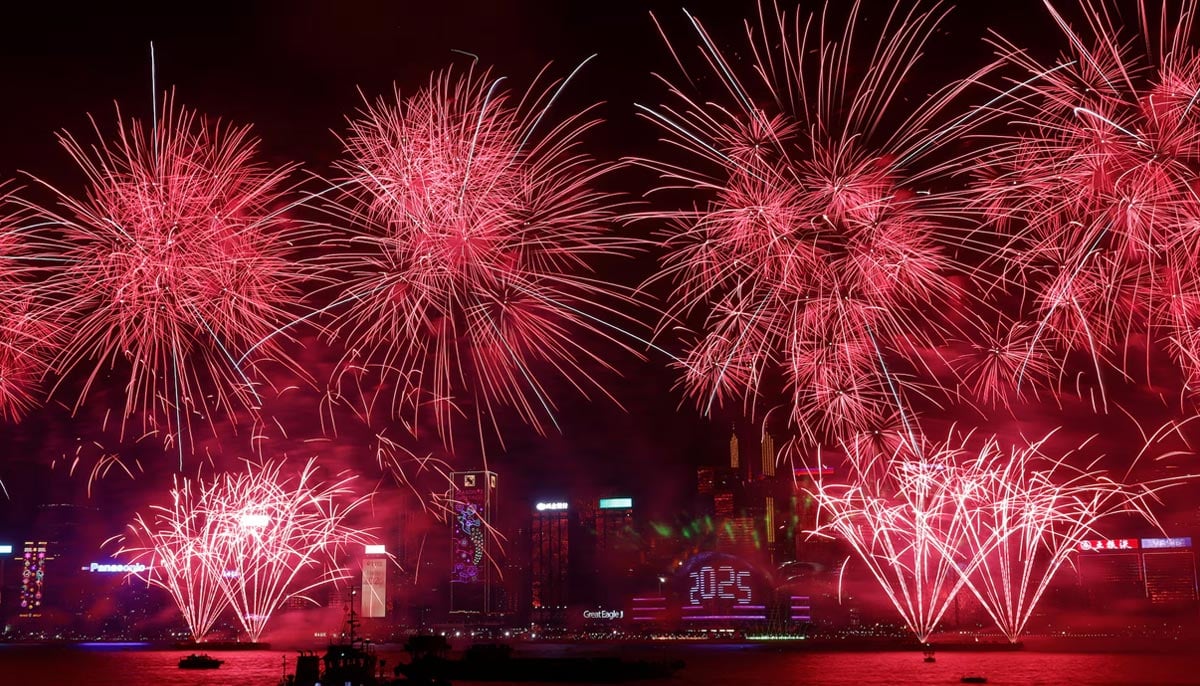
(106, 568)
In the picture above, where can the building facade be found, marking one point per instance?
(472, 573)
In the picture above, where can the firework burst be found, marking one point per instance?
(29, 330)
(277, 537)
(814, 256)
(249, 541)
(1091, 191)
(467, 223)
(176, 256)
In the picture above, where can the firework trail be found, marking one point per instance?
(276, 537)
(813, 256)
(426, 477)
(1090, 196)
(175, 544)
(176, 257)
(1029, 512)
(465, 227)
(900, 513)
(249, 541)
(970, 512)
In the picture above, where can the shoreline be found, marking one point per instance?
(828, 644)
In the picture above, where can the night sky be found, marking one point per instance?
(292, 69)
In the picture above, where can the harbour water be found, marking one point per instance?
(706, 665)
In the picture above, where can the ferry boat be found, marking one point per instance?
(195, 661)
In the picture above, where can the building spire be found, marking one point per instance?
(733, 450)
(768, 455)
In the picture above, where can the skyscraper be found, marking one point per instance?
(471, 576)
(549, 561)
(617, 552)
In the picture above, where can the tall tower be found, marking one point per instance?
(768, 475)
(617, 552)
(472, 501)
(768, 455)
(549, 562)
(734, 452)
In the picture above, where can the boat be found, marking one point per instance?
(195, 661)
(495, 662)
(974, 680)
(929, 655)
(351, 662)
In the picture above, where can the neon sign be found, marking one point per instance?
(1159, 543)
(720, 583)
(375, 549)
(616, 503)
(6, 549)
(603, 614)
(33, 578)
(542, 507)
(468, 543)
(110, 568)
(1104, 545)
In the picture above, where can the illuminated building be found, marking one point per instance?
(59, 587)
(374, 582)
(34, 561)
(614, 526)
(6, 552)
(768, 456)
(1160, 571)
(738, 535)
(1170, 576)
(471, 575)
(549, 562)
(616, 553)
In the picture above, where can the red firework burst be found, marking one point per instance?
(175, 258)
(811, 259)
(27, 329)
(1092, 189)
(462, 261)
